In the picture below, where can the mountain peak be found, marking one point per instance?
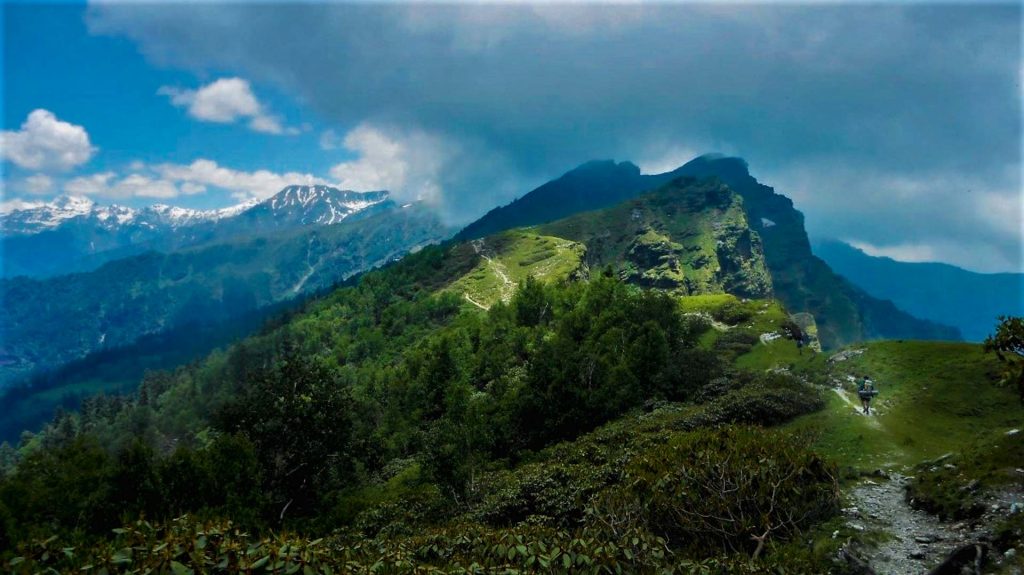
(605, 166)
(314, 204)
(716, 164)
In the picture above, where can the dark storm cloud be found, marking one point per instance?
(891, 125)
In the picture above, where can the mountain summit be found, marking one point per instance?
(308, 205)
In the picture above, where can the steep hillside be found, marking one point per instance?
(803, 282)
(569, 426)
(686, 237)
(48, 322)
(942, 293)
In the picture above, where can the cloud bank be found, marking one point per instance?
(882, 121)
(174, 180)
(45, 142)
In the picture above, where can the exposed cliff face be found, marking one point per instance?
(687, 237)
(804, 283)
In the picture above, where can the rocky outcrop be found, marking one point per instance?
(687, 237)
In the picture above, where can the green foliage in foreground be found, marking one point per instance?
(1008, 345)
(651, 521)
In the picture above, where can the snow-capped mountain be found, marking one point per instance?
(45, 216)
(50, 215)
(76, 234)
(306, 205)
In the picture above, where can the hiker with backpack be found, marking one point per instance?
(866, 391)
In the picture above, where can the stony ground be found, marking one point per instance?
(916, 541)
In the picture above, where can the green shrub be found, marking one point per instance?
(735, 343)
(733, 313)
(550, 493)
(722, 490)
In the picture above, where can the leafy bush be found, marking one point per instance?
(733, 312)
(722, 490)
(734, 343)
(187, 546)
(550, 493)
(769, 399)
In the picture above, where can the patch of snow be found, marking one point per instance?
(765, 222)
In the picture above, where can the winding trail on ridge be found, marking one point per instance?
(508, 287)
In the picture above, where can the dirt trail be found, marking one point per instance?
(919, 541)
(474, 302)
(508, 287)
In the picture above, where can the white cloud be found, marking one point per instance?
(260, 184)
(46, 143)
(15, 204)
(108, 184)
(91, 185)
(38, 184)
(226, 101)
(407, 163)
(172, 180)
(140, 186)
(666, 158)
(898, 252)
(192, 188)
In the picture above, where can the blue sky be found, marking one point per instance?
(105, 85)
(896, 127)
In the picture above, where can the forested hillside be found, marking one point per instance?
(496, 405)
(46, 323)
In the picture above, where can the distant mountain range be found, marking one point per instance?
(210, 267)
(803, 283)
(943, 293)
(79, 235)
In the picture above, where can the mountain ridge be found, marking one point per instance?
(803, 282)
(81, 235)
(944, 293)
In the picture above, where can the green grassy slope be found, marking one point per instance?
(508, 259)
(934, 398)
